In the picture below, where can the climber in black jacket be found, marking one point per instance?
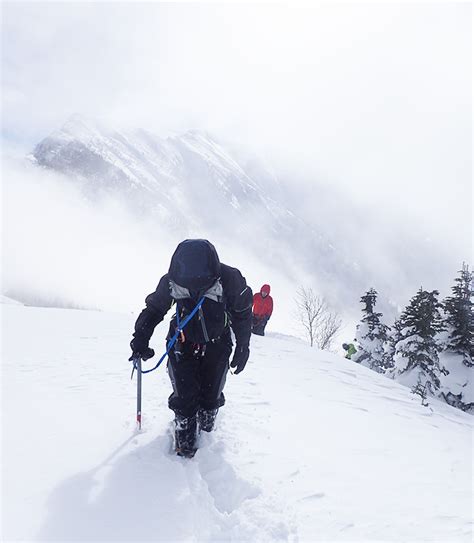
(199, 361)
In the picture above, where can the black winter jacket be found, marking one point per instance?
(235, 309)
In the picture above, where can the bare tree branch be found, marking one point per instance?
(321, 324)
(326, 333)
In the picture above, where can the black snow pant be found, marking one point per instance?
(258, 325)
(198, 375)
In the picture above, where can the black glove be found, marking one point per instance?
(241, 355)
(149, 353)
(140, 349)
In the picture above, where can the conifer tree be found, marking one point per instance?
(371, 336)
(459, 311)
(416, 352)
(393, 337)
(458, 343)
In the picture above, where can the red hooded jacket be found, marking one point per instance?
(263, 305)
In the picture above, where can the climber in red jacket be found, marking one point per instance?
(262, 310)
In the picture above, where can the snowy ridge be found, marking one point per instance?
(190, 183)
(145, 161)
(7, 300)
(309, 446)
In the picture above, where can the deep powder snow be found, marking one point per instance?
(308, 447)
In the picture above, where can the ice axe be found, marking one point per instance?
(137, 365)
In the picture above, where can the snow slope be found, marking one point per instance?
(7, 300)
(186, 181)
(192, 186)
(308, 447)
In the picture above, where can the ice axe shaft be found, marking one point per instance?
(137, 365)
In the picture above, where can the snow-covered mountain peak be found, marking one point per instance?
(203, 136)
(192, 183)
(78, 127)
(174, 174)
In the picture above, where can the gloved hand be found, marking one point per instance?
(241, 355)
(140, 348)
(149, 353)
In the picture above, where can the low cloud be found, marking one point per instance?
(63, 250)
(60, 249)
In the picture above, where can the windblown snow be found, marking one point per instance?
(309, 446)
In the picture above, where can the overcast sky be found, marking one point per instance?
(372, 98)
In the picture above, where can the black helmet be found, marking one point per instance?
(195, 265)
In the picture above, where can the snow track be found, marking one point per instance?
(308, 447)
(149, 494)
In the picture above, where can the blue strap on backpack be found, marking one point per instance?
(179, 329)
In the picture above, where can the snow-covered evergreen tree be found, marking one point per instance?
(416, 352)
(459, 310)
(393, 337)
(371, 336)
(458, 343)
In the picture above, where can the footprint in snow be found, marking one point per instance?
(312, 497)
(227, 489)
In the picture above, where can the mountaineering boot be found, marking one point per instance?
(185, 435)
(206, 418)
